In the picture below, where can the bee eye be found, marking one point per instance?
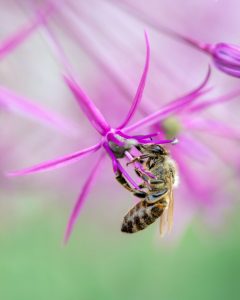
(158, 149)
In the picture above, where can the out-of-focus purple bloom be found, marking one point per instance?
(226, 57)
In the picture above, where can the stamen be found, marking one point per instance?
(173, 142)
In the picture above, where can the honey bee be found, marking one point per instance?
(156, 193)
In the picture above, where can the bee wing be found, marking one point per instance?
(163, 223)
(170, 210)
(166, 220)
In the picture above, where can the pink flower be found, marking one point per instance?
(226, 58)
(115, 141)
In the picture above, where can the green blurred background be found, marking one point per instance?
(101, 263)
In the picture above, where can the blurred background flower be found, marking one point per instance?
(104, 43)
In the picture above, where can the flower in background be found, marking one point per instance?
(226, 57)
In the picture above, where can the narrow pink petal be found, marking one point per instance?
(56, 163)
(113, 158)
(88, 107)
(213, 127)
(24, 106)
(199, 91)
(218, 100)
(8, 45)
(57, 49)
(140, 89)
(81, 199)
(171, 108)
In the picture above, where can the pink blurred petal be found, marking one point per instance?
(215, 101)
(58, 50)
(200, 187)
(140, 89)
(213, 127)
(193, 148)
(81, 199)
(56, 163)
(24, 106)
(8, 45)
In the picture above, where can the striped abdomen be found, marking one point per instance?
(141, 215)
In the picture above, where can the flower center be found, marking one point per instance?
(171, 127)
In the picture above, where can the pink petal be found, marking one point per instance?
(171, 107)
(140, 89)
(81, 199)
(91, 111)
(57, 49)
(191, 147)
(59, 162)
(201, 188)
(218, 100)
(25, 106)
(8, 45)
(213, 127)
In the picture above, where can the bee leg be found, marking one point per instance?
(140, 194)
(142, 175)
(119, 177)
(140, 158)
(157, 184)
(157, 196)
(142, 185)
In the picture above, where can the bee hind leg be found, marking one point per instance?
(120, 178)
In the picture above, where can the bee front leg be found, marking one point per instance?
(138, 159)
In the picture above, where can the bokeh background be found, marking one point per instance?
(200, 258)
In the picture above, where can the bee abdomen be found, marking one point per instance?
(140, 216)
